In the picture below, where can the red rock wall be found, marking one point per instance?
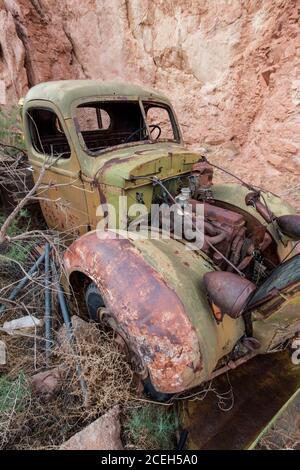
(231, 67)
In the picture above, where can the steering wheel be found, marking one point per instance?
(151, 127)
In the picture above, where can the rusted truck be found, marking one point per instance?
(184, 315)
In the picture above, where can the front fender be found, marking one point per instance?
(145, 306)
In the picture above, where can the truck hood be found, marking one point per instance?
(161, 160)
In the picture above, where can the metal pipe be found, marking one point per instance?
(23, 282)
(232, 365)
(182, 440)
(69, 329)
(48, 319)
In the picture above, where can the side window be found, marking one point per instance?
(158, 116)
(46, 132)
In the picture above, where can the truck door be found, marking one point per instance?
(62, 193)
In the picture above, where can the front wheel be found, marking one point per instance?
(94, 301)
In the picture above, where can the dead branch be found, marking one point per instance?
(3, 231)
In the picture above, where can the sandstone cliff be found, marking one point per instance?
(231, 67)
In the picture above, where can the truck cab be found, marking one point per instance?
(95, 135)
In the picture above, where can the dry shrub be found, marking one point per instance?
(46, 422)
(103, 365)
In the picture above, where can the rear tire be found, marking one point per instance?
(94, 301)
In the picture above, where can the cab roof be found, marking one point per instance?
(63, 92)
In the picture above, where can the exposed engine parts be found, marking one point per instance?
(235, 241)
(231, 239)
(228, 231)
(201, 181)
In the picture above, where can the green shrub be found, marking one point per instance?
(18, 250)
(151, 427)
(13, 394)
(10, 127)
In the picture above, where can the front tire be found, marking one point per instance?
(94, 301)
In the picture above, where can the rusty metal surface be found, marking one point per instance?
(202, 176)
(225, 229)
(260, 387)
(148, 311)
(157, 294)
(181, 271)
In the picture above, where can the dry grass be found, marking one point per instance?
(285, 433)
(45, 422)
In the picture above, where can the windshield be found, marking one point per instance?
(105, 124)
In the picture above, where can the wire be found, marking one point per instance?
(230, 174)
(249, 186)
(296, 244)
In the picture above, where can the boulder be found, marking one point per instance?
(47, 382)
(23, 324)
(102, 434)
